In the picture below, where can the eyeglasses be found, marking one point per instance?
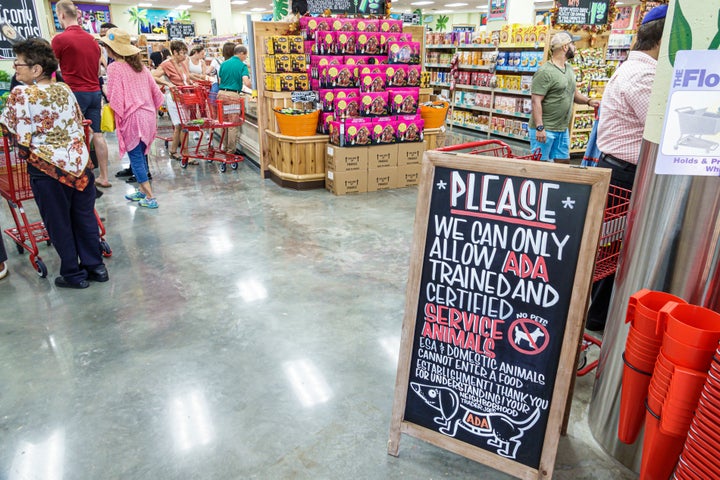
(16, 64)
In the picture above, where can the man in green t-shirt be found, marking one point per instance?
(553, 92)
(234, 76)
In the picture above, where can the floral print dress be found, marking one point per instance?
(47, 123)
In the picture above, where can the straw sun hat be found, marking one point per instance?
(119, 41)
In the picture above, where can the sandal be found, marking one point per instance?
(174, 156)
(103, 185)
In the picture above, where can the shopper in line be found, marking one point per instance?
(174, 72)
(46, 121)
(234, 75)
(135, 98)
(228, 50)
(196, 63)
(79, 57)
(553, 93)
(620, 131)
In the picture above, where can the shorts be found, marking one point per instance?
(172, 109)
(557, 145)
(91, 106)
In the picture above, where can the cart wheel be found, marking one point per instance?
(209, 161)
(223, 167)
(582, 361)
(234, 166)
(105, 249)
(40, 268)
(20, 249)
(48, 243)
(184, 162)
(167, 144)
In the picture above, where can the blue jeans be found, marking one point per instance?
(556, 146)
(138, 163)
(90, 106)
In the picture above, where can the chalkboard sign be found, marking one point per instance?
(350, 7)
(181, 30)
(19, 21)
(501, 268)
(583, 12)
(411, 18)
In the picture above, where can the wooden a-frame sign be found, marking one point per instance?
(501, 268)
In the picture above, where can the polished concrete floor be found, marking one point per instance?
(246, 332)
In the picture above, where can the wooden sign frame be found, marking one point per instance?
(597, 180)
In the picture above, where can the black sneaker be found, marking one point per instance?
(126, 172)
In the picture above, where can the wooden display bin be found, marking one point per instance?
(297, 162)
(434, 138)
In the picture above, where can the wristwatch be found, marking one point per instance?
(540, 128)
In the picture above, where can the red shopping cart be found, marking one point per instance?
(203, 112)
(15, 188)
(611, 234)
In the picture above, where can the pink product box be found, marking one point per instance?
(339, 76)
(377, 59)
(346, 43)
(324, 124)
(326, 42)
(374, 68)
(344, 24)
(309, 46)
(314, 84)
(347, 107)
(310, 25)
(403, 101)
(319, 62)
(397, 75)
(414, 72)
(404, 52)
(327, 97)
(383, 131)
(389, 25)
(374, 104)
(386, 37)
(372, 82)
(356, 59)
(358, 132)
(367, 25)
(334, 132)
(369, 44)
(409, 128)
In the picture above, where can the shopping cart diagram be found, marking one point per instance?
(15, 188)
(694, 123)
(204, 112)
(611, 233)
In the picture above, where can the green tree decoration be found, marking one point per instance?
(280, 9)
(442, 22)
(183, 17)
(138, 16)
(419, 13)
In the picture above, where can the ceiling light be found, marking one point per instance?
(145, 5)
(102, 1)
(442, 11)
(258, 9)
(196, 1)
(182, 7)
(238, 2)
(424, 2)
(456, 4)
(482, 7)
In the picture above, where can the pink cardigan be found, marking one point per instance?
(135, 98)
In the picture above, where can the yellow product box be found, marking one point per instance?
(382, 179)
(505, 35)
(272, 83)
(287, 82)
(281, 43)
(518, 35)
(283, 63)
(296, 44)
(269, 45)
(302, 82)
(269, 61)
(297, 63)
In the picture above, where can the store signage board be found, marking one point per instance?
(353, 7)
(690, 140)
(304, 97)
(22, 22)
(501, 267)
(181, 30)
(583, 12)
(410, 18)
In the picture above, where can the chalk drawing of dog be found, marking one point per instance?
(504, 433)
(521, 335)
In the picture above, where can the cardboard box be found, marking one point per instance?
(382, 178)
(410, 153)
(342, 183)
(382, 156)
(342, 159)
(408, 175)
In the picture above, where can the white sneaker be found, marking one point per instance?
(4, 272)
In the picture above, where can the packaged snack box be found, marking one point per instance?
(414, 75)
(403, 100)
(397, 75)
(302, 81)
(374, 104)
(287, 82)
(404, 52)
(347, 107)
(283, 63)
(377, 59)
(340, 76)
(368, 43)
(327, 97)
(344, 24)
(318, 62)
(309, 47)
(383, 131)
(296, 44)
(372, 82)
(358, 132)
(326, 42)
(324, 123)
(346, 92)
(374, 68)
(346, 43)
(356, 59)
(269, 45)
(269, 61)
(409, 128)
(282, 44)
(366, 25)
(297, 63)
(390, 25)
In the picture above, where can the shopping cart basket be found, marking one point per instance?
(202, 111)
(491, 148)
(694, 123)
(15, 188)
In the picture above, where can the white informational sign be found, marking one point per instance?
(691, 133)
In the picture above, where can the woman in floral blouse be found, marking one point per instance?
(46, 121)
(135, 98)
